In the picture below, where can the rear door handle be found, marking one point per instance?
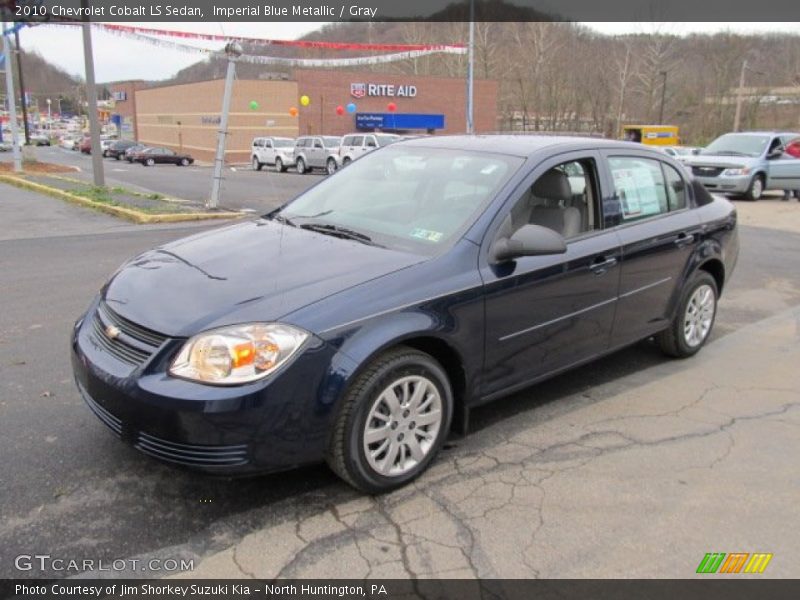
(602, 264)
(684, 239)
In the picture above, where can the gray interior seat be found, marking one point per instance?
(555, 211)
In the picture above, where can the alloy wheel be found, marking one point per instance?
(402, 425)
(699, 315)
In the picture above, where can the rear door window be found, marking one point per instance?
(640, 187)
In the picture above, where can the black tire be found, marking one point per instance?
(185, 162)
(257, 165)
(279, 165)
(330, 166)
(149, 162)
(118, 157)
(346, 455)
(105, 153)
(673, 341)
(346, 161)
(756, 188)
(301, 166)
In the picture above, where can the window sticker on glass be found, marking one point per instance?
(427, 234)
(637, 191)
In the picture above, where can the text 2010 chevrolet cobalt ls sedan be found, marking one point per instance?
(360, 322)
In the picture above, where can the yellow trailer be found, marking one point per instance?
(652, 135)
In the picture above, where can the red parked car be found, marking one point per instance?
(86, 145)
(793, 148)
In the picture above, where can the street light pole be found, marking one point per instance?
(663, 95)
(91, 93)
(470, 69)
(49, 115)
(234, 51)
(739, 94)
(12, 103)
(18, 52)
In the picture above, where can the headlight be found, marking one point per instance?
(736, 172)
(237, 354)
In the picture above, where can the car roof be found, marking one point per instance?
(518, 145)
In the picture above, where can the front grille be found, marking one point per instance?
(707, 171)
(134, 344)
(106, 417)
(191, 455)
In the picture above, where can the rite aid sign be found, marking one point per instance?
(360, 90)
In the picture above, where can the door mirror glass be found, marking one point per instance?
(529, 240)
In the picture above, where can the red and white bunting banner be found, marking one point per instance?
(290, 43)
(288, 62)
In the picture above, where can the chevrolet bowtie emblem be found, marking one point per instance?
(112, 332)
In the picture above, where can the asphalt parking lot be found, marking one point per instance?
(242, 187)
(634, 466)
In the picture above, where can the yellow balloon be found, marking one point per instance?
(305, 100)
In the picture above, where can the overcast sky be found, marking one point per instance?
(118, 58)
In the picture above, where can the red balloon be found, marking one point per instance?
(392, 107)
(340, 110)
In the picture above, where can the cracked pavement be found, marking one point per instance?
(632, 466)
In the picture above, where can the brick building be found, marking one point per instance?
(123, 93)
(186, 117)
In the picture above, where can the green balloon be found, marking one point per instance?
(253, 105)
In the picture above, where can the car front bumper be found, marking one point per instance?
(726, 185)
(269, 425)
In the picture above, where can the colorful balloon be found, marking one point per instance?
(305, 100)
(351, 108)
(293, 111)
(392, 107)
(253, 105)
(340, 110)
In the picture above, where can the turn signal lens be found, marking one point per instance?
(238, 354)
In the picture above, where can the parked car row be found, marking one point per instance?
(309, 152)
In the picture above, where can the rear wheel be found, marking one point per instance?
(149, 162)
(330, 166)
(694, 319)
(256, 164)
(392, 421)
(756, 188)
(301, 166)
(184, 162)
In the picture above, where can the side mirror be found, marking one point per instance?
(776, 153)
(695, 151)
(529, 240)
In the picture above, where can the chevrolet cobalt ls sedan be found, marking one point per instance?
(359, 323)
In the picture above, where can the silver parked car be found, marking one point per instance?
(277, 151)
(317, 152)
(747, 163)
(356, 145)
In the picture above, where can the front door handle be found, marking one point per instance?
(684, 239)
(602, 264)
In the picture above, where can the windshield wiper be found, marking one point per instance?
(285, 220)
(341, 232)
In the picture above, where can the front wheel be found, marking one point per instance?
(184, 162)
(756, 188)
(301, 166)
(149, 162)
(279, 165)
(692, 324)
(330, 166)
(256, 164)
(392, 422)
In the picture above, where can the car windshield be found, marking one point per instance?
(283, 143)
(737, 145)
(405, 198)
(385, 140)
(331, 142)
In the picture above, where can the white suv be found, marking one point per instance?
(317, 152)
(358, 144)
(276, 151)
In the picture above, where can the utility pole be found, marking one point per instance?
(91, 97)
(234, 51)
(739, 93)
(663, 95)
(18, 52)
(470, 69)
(12, 104)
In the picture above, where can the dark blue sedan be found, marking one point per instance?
(360, 323)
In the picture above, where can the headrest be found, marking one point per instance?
(553, 185)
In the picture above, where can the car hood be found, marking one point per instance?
(712, 160)
(255, 271)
